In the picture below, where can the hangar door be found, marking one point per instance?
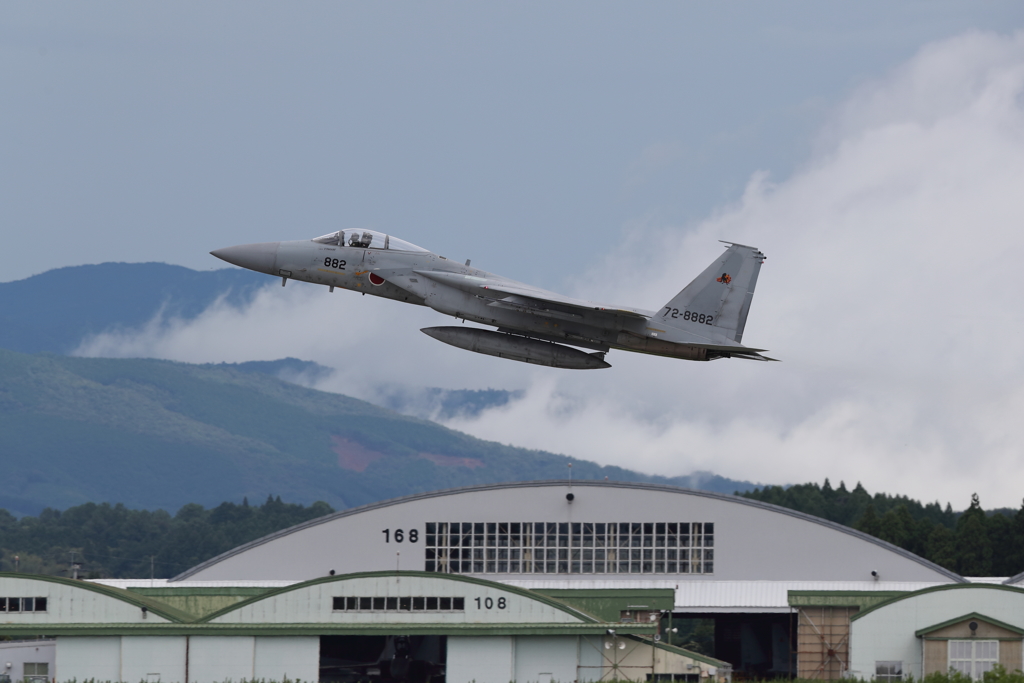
(383, 659)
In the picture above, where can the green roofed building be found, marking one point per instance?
(539, 581)
(382, 626)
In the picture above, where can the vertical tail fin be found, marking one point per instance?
(719, 297)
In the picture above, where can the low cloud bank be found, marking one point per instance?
(890, 293)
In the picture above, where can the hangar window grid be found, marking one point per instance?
(973, 657)
(350, 603)
(570, 547)
(21, 605)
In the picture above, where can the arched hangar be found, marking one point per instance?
(389, 627)
(770, 579)
(538, 531)
(970, 628)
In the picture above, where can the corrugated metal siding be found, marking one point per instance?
(69, 602)
(313, 604)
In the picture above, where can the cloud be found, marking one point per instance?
(890, 293)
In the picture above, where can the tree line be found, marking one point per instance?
(112, 541)
(971, 543)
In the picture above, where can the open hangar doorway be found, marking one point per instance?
(758, 644)
(383, 659)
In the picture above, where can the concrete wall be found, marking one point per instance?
(355, 542)
(887, 632)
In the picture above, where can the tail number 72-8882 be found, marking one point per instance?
(699, 318)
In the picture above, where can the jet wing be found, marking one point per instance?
(566, 301)
(529, 299)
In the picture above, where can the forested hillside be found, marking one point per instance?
(111, 541)
(156, 434)
(971, 543)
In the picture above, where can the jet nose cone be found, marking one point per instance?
(259, 257)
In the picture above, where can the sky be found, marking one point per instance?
(873, 151)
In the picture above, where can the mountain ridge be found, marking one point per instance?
(162, 434)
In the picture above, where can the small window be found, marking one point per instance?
(459, 604)
(405, 604)
(339, 604)
(366, 603)
(351, 603)
(888, 671)
(3, 604)
(13, 604)
(446, 603)
(37, 668)
(419, 604)
(431, 603)
(378, 604)
(40, 604)
(392, 603)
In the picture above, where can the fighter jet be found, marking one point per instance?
(703, 322)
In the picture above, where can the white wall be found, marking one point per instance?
(546, 658)
(297, 658)
(212, 659)
(152, 658)
(86, 657)
(484, 659)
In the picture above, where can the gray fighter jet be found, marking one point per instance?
(703, 322)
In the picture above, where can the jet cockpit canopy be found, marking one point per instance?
(366, 239)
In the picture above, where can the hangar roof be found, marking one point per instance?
(1017, 593)
(16, 582)
(788, 545)
(374, 602)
